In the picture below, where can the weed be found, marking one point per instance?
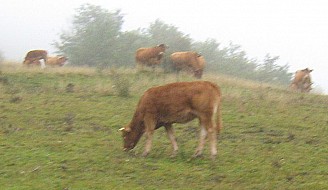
(15, 99)
(69, 88)
(121, 83)
(69, 121)
(4, 80)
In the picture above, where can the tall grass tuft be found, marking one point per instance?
(121, 83)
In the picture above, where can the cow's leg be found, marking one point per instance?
(150, 128)
(202, 138)
(208, 127)
(177, 74)
(213, 141)
(213, 130)
(170, 133)
(149, 136)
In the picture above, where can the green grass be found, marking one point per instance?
(58, 130)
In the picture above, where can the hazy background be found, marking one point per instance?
(295, 30)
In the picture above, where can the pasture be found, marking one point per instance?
(59, 130)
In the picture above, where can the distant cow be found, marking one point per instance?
(56, 61)
(178, 102)
(188, 61)
(34, 56)
(150, 56)
(302, 81)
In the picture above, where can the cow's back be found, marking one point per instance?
(56, 61)
(183, 57)
(185, 60)
(52, 61)
(36, 54)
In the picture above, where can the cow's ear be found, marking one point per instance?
(162, 45)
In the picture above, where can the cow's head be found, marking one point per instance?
(198, 73)
(307, 70)
(130, 137)
(26, 62)
(163, 47)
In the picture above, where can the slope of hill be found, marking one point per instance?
(58, 130)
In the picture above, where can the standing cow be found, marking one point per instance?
(178, 102)
(188, 61)
(150, 56)
(56, 61)
(302, 81)
(35, 56)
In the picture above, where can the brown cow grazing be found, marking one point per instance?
(35, 55)
(56, 61)
(302, 81)
(178, 102)
(150, 56)
(188, 61)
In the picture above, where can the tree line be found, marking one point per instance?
(96, 39)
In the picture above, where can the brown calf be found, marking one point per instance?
(188, 61)
(150, 56)
(178, 102)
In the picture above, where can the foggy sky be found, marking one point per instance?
(295, 30)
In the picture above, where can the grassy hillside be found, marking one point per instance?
(58, 130)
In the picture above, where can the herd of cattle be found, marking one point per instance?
(195, 63)
(178, 102)
(188, 61)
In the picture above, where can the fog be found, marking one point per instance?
(295, 30)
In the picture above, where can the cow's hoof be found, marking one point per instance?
(145, 154)
(213, 157)
(197, 155)
(174, 154)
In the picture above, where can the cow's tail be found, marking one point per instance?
(219, 123)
